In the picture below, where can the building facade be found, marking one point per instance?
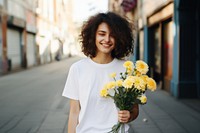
(13, 25)
(32, 32)
(167, 38)
(169, 43)
(52, 31)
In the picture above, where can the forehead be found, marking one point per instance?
(103, 27)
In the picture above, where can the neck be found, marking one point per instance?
(102, 59)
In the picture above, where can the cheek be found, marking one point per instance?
(96, 39)
(113, 42)
(99, 38)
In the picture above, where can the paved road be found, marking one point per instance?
(31, 102)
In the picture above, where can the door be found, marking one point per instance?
(31, 50)
(167, 54)
(13, 48)
(155, 53)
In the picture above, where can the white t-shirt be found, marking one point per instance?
(85, 80)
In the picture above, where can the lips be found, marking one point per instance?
(106, 45)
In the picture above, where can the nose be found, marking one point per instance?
(107, 38)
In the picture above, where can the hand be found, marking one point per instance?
(124, 116)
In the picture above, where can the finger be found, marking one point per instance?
(124, 114)
(123, 117)
(123, 120)
(123, 111)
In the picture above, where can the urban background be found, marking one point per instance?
(40, 38)
(35, 32)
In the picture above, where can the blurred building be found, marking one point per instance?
(35, 32)
(53, 24)
(13, 34)
(127, 8)
(168, 40)
(156, 33)
(32, 32)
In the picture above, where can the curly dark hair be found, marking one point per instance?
(121, 30)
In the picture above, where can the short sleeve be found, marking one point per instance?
(71, 86)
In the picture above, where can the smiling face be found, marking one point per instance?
(105, 42)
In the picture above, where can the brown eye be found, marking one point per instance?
(101, 34)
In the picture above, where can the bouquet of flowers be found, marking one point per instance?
(129, 89)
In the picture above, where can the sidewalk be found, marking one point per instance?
(42, 109)
(166, 114)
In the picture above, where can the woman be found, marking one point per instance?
(106, 40)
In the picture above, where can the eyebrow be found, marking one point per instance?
(101, 31)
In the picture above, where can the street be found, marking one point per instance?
(31, 102)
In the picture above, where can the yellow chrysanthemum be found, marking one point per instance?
(142, 67)
(128, 82)
(137, 73)
(139, 83)
(104, 93)
(128, 65)
(113, 75)
(129, 71)
(131, 78)
(144, 77)
(110, 85)
(151, 84)
(119, 83)
(143, 99)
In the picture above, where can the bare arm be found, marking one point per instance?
(73, 116)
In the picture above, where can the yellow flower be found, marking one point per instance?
(128, 82)
(110, 85)
(119, 83)
(128, 65)
(143, 99)
(142, 67)
(113, 75)
(104, 92)
(139, 83)
(144, 77)
(129, 71)
(151, 84)
(137, 73)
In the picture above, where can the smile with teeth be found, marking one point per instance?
(106, 45)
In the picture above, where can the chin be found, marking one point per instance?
(107, 50)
